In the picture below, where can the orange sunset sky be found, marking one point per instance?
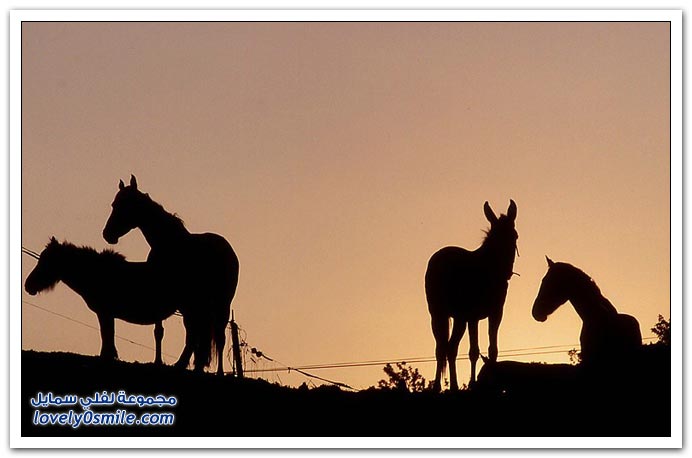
(336, 158)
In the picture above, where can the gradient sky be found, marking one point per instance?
(336, 158)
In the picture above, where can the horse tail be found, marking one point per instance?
(218, 340)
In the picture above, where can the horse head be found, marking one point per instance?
(126, 211)
(46, 274)
(501, 239)
(552, 293)
(502, 227)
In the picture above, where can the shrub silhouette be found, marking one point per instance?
(662, 330)
(402, 377)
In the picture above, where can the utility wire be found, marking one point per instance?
(289, 369)
(504, 354)
(345, 365)
(342, 365)
(90, 326)
(414, 359)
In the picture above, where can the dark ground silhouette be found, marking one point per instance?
(635, 404)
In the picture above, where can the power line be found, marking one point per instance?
(425, 358)
(345, 365)
(289, 369)
(90, 326)
(407, 360)
(428, 359)
(260, 354)
(342, 365)
(31, 253)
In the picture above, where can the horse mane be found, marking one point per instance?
(163, 214)
(107, 255)
(593, 289)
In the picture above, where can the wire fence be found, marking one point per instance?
(254, 355)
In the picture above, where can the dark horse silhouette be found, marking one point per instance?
(526, 379)
(201, 270)
(469, 286)
(606, 335)
(111, 287)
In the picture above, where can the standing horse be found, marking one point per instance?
(111, 287)
(202, 270)
(606, 335)
(469, 286)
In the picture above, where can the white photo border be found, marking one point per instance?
(16, 17)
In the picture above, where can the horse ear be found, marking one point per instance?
(121, 185)
(133, 182)
(485, 359)
(53, 240)
(489, 212)
(550, 261)
(512, 210)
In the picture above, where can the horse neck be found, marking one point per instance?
(590, 304)
(498, 257)
(78, 270)
(160, 228)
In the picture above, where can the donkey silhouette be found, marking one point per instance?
(468, 286)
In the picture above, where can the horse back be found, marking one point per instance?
(459, 284)
(133, 291)
(629, 330)
(616, 339)
(203, 263)
(213, 246)
(514, 377)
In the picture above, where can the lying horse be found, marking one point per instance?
(111, 287)
(519, 378)
(607, 337)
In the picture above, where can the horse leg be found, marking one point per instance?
(203, 342)
(474, 351)
(107, 329)
(158, 336)
(494, 321)
(457, 333)
(440, 329)
(184, 359)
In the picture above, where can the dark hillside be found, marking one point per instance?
(211, 406)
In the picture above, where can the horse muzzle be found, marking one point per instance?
(30, 290)
(539, 317)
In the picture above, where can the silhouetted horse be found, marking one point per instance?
(469, 286)
(201, 269)
(606, 335)
(519, 378)
(111, 287)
